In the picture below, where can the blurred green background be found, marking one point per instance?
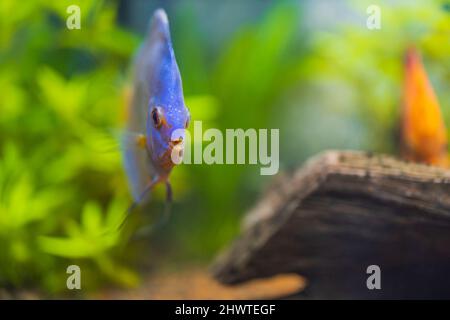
(310, 68)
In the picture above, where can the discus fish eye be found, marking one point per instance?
(157, 117)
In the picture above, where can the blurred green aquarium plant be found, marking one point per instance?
(59, 195)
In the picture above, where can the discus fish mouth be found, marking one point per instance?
(175, 142)
(173, 155)
(176, 148)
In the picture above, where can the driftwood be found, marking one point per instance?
(342, 212)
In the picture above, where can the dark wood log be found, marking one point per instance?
(338, 214)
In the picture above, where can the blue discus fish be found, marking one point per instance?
(157, 115)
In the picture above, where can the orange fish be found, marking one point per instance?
(423, 132)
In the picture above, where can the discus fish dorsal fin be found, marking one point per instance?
(160, 67)
(159, 25)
